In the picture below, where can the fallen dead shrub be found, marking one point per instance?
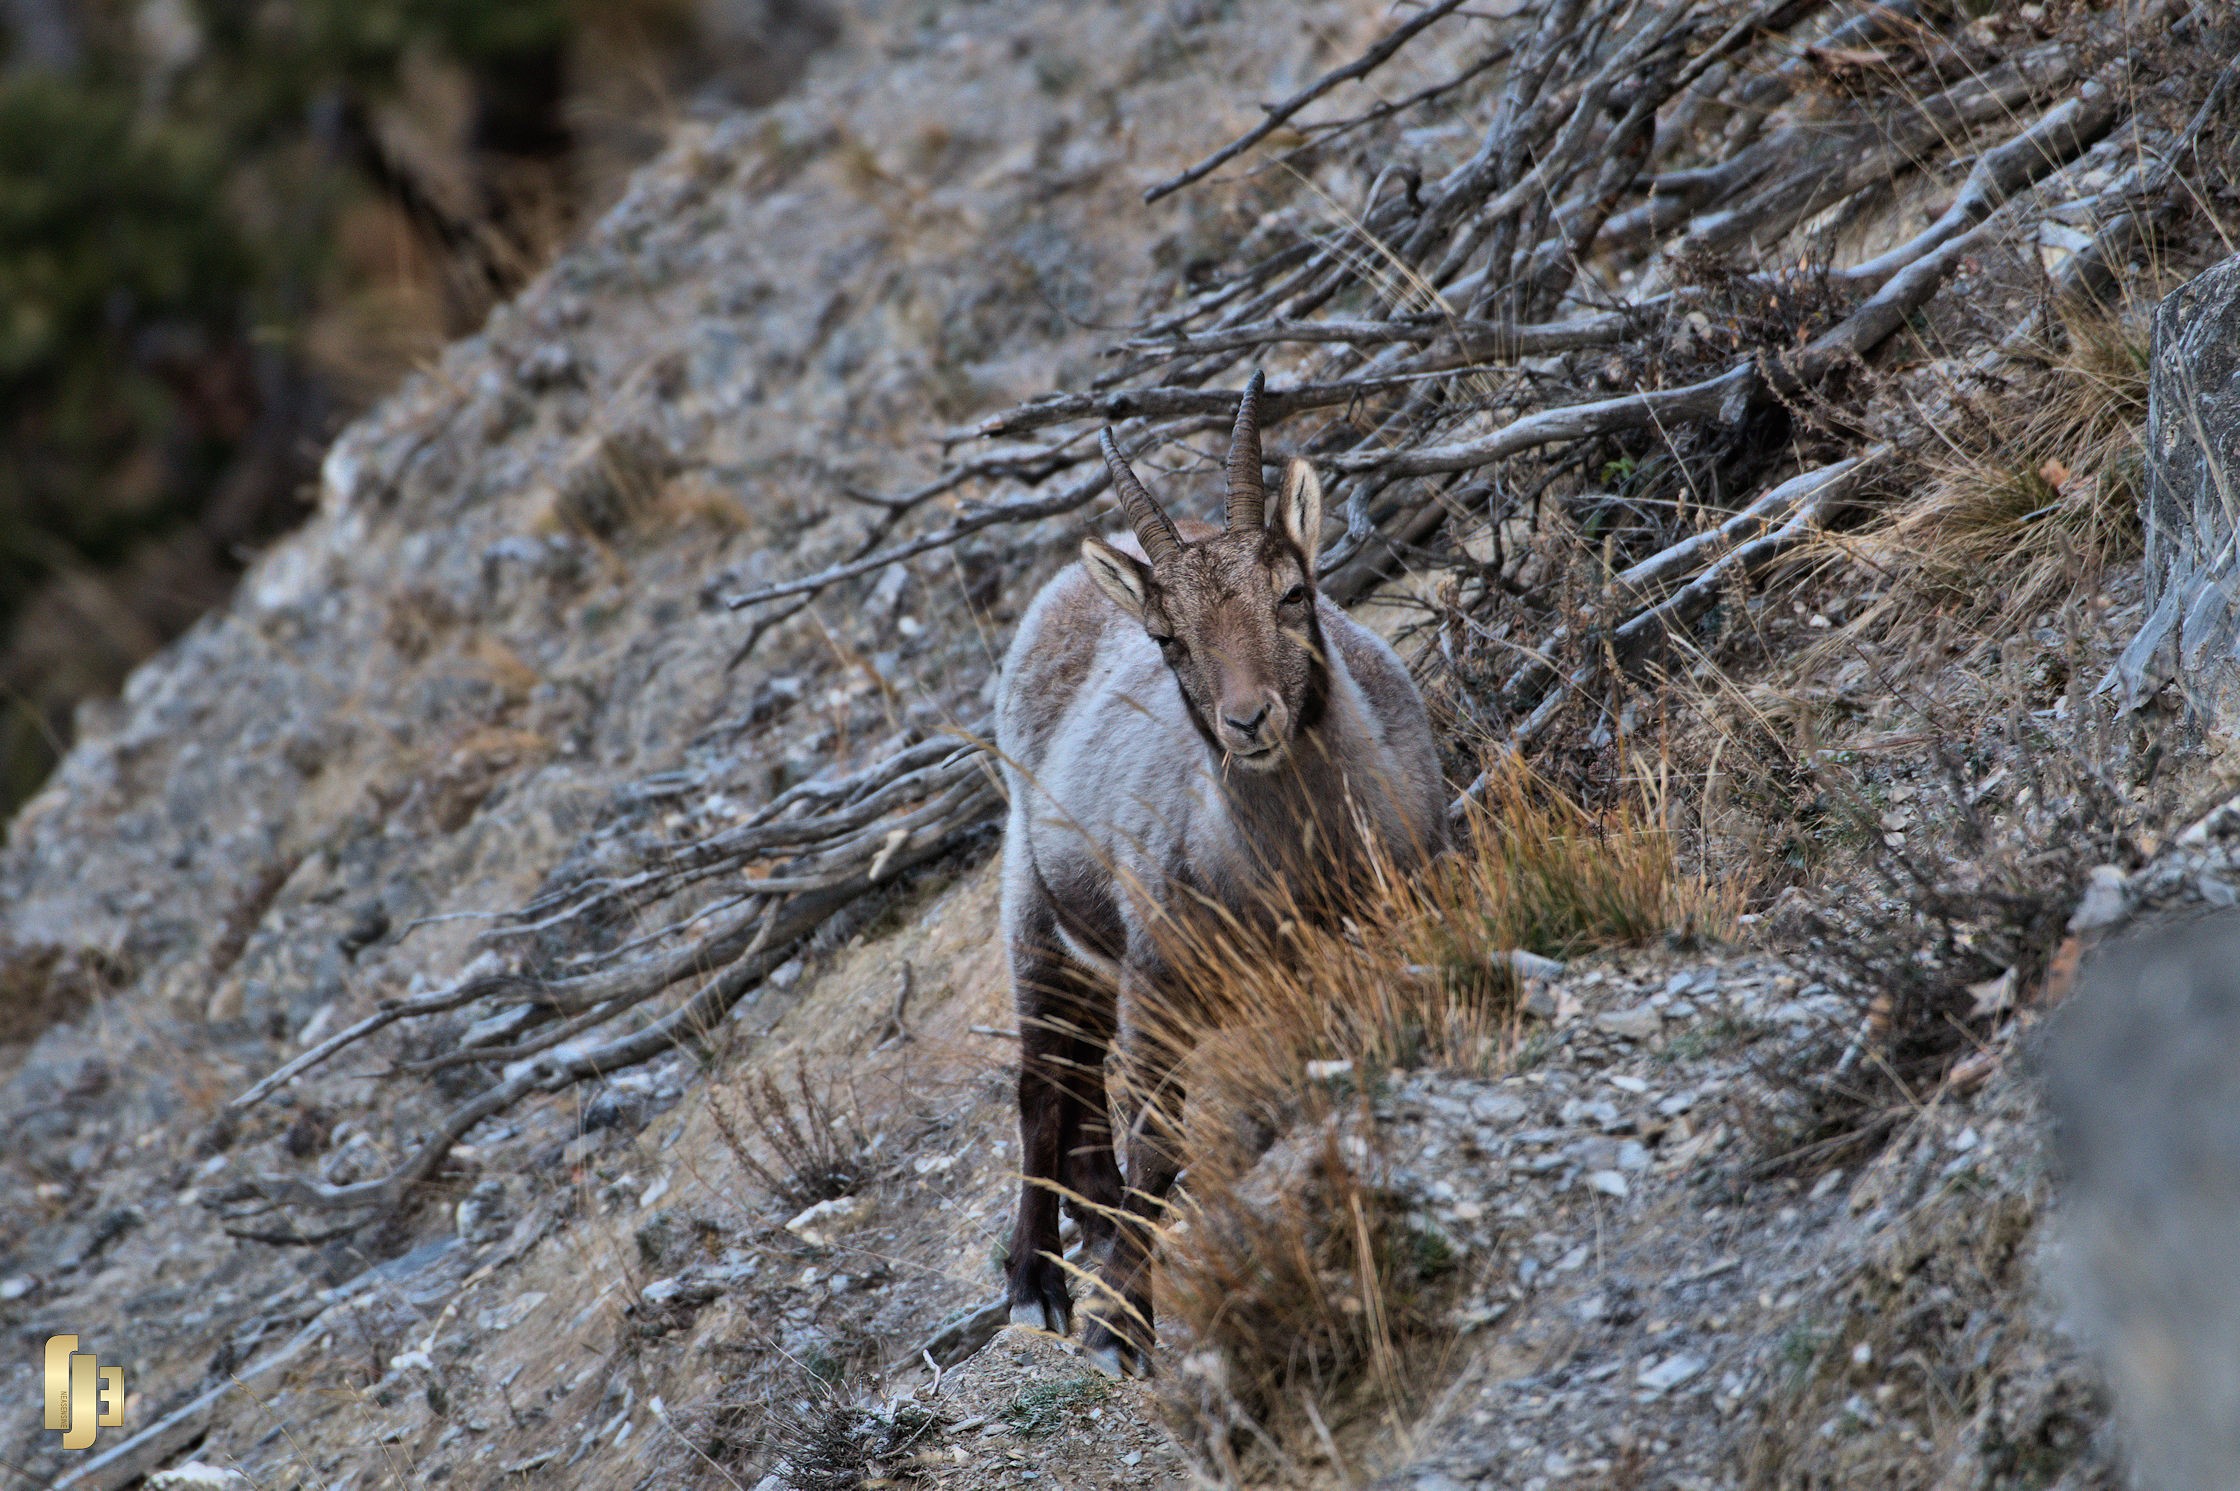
(813, 1147)
(1311, 1291)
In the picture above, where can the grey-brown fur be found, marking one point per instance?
(1258, 749)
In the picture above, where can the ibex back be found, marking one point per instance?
(1184, 722)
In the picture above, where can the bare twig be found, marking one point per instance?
(1279, 114)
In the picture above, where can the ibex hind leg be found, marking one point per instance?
(1061, 1084)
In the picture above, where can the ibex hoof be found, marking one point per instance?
(1118, 1359)
(1036, 1316)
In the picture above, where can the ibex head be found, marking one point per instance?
(1234, 612)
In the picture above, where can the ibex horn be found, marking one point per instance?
(1248, 496)
(1152, 526)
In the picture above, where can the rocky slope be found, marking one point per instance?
(498, 654)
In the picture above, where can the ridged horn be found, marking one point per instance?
(1248, 495)
(1152, 525)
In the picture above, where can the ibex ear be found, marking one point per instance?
(1299, 509)
(1124, 577)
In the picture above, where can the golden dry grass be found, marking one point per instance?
(1296, 1274)
(1311, 1296)
(2039, 491)
(1544, 873)
(1419, 972)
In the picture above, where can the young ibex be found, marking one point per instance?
(1184, 722)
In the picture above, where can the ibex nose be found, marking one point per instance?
(1249, 729)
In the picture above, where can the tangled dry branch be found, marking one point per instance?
(1618, 277)
(811, 851)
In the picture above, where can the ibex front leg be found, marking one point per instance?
(1065, 1142)
(1123, 1324)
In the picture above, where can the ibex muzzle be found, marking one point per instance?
(1180, 709)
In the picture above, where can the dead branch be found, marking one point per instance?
(246, 1204)
(1488, 342)
(1280, 114)
(1165, 403)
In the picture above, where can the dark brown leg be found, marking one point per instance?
(1089, 1167)
(1122, 1322)
(1064, 1137)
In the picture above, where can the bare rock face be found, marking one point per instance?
(2146, 1098)
(2192, 512)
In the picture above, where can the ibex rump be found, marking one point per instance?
(1183, 721)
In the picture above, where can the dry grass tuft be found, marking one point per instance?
(43, 985)
(835, 1443)
(2038, 490)
(1308, 1287)
(1549, 875)
(812, 1143)
(1420, 972)
(814, 1423)
(1312, 1292)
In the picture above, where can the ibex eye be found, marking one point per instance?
(1294, 595)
